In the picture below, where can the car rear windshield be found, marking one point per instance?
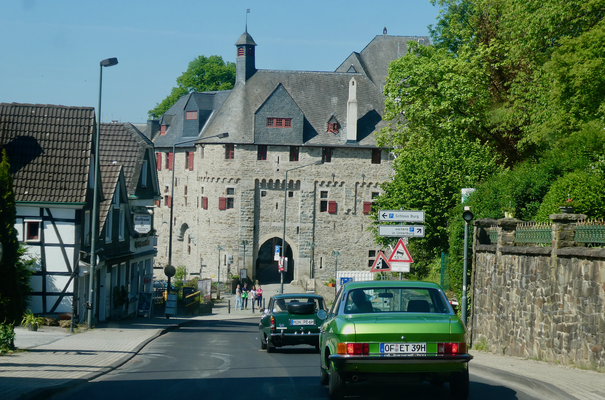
(410, 300)
(281, 305)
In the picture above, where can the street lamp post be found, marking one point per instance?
(195, 140)
(335, 253)
(283, 243)
(218, 283)
(467, 215)
(108, 62)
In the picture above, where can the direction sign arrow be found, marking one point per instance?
(400, 216)
(401, 230)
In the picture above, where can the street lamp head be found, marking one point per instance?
(222, 135)
(109, 62)
(467, 215)
(219, 248)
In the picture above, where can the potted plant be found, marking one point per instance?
(567, 206)
(331, 282)
(31, 321)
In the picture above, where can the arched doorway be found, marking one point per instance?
(266, 267)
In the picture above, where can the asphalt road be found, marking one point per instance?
(223, 360)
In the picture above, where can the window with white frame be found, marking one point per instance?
(144, 174)
(116, 197)
(31, 230)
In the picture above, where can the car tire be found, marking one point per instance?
(270, 347)
(324, 378)
(459, 385)
(263, 342)
(336, 385)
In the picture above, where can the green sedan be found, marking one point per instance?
(291, 319)
(393, 331)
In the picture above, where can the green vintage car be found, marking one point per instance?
(291, 319)
(393, 331)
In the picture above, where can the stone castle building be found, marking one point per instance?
(230, 190)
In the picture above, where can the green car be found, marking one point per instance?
(393, 331)
(291, 319)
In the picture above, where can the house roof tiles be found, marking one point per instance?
(49, 149)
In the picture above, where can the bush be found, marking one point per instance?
(586, 190)
(7, 337)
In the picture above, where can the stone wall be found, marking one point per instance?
(545, 303)
(257, 214)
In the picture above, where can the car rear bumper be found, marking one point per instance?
(285, 339)
(399, 363)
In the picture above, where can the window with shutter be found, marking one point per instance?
(367, 207)
(376, 156)
(168, 201)
(222, 203)
(169, 161)
(190, 160)
(158, 161)
(332, 207)
(205, 203)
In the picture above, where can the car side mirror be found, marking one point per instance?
(321, 314)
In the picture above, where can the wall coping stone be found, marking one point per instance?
(581, 252)
(488, 248)
(536, 251)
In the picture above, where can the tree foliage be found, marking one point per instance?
(204, 74)
(14, 274)
(518, 85)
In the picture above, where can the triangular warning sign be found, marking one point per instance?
(380, 264)
(400, 253)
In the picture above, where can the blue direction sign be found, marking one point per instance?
(401, 216)
(401, 230)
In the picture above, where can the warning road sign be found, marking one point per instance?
(400, 253)
(380, 264)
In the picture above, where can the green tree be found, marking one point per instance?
(14, 274)
(203, 75)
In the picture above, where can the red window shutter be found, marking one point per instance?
(367, 207)
(162, 130)
(168, 201)
(158, 161)
(222, 203)
(157, 203)
(205, 203)
(170, 161)
(190, 160)
(332, 207)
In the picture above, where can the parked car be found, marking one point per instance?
(291, 319)
(394, 331)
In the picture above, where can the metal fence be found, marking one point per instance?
(590, 232)
(534, 233)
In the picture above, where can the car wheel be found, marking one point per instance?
(459, 385)
(263, 342)
(270, 347)
(336, 385)
(323, 375)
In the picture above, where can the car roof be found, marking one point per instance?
(390, 284)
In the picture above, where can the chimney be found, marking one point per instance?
(352, 112)
(153, 127)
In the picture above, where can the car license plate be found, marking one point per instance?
(301, 322)
(403, 348)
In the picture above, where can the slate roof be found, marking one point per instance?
(319, 95)
(49, 149)
(207, 101)
(124, 144)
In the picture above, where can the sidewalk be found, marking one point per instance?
(54, 359)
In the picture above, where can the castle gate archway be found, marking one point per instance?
(266, 267)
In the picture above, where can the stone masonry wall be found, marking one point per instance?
(545, 303)
(257, 213)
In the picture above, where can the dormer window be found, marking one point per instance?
(279, 122)
(191, 115)
(333, 124)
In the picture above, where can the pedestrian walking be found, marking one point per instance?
(252, 296)
(259, 297)
(245, 296)
(238, 298)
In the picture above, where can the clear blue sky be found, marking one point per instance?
(50, 49)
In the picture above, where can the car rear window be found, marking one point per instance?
(281, 305)
(409, 300)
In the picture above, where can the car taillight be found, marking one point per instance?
(272, 323)
(451, 348)
(354, 349)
